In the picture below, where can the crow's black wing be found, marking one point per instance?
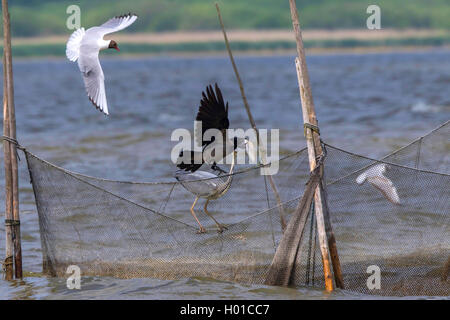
(213, 113)
(192, 162)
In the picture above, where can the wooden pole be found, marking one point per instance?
(331, 241)
(13, 193)
(9, 251)
(445, 270)
(314, 150)
(252, 121)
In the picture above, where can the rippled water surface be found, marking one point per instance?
(368, 104)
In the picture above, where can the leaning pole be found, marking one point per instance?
(325, 234)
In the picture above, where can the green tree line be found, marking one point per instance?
(48, 17)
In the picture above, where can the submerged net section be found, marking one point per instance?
(126, 229)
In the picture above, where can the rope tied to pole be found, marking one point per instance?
(12, 222)
(320, 160)
(307, 125)
(15, 142)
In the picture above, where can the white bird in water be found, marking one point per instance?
(84, 46)
(374, 175)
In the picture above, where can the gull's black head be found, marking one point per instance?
(113, 45)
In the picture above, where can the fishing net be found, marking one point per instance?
(133, 230)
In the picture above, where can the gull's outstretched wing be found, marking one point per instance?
(74, 43)
(94, 81)
(375, 177)
(386, 187)
(213, 113)
(117, 23)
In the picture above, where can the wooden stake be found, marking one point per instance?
(13, 182)
(445, 270)
(261, 148)
(332, 242)
(314, 150)
(9, 251)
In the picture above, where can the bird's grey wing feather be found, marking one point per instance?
(94, 80)
(386, 187)
(374, 171)
(117, 23)
(184, 176)
(74, 43)
(200, 183)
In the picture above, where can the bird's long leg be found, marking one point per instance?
(201, 230)
(219, 225)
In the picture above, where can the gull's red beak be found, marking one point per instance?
(117, 48)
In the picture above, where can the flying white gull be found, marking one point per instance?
(84, 46)
(374, 175)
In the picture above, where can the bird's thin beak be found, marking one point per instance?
(117, 48)
(251, 151)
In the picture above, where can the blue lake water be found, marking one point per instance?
(369, 104)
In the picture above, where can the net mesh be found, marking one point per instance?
(132, 230)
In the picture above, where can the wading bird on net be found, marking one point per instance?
(204, 184)
(212, 114)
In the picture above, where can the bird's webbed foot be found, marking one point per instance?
(201, 230)
(221, 228)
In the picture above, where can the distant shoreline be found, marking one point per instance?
(249, 41)
(248, 36)
(255, 53)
